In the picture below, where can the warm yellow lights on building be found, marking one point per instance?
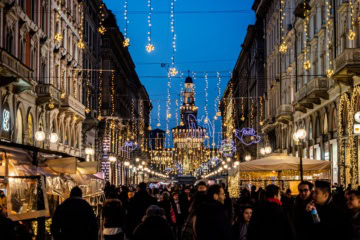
(126, 42)
(58, 37)
(307, 65)
(173, 71)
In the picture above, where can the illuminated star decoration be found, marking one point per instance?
(126, 42)
(129, 146)
(150, 48)
(247, 132)
(173, 71)
(227, 148)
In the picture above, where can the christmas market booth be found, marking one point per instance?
(278, 169)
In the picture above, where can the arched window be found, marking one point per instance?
(19, 127)
(9, 44)
(22, 51)
(66, 136)
(310, 130)
(334, 120)
(318, 130)
(30, 130)
(61, 133)
(326, 128)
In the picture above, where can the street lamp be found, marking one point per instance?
(247, 157)
(265, 150)
(89, 152)
(299, 137)
(112, 159)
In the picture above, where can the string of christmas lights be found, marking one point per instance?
(330, 70)
(101, 29)
(158, 115)
(307, 64)
(283, 46)
(100, 96)
(149, 47)
(206, 99)
(112, 93)
(126, 42)
(81, 43)
(352, 33)
(173, 70)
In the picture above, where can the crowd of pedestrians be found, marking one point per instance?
(205, 212)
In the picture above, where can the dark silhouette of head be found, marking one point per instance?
(76, 192)
(142, 186)
(272, 191)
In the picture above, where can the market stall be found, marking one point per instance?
(279, 169)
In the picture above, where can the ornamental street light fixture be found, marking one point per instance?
(299, 137)
(247, 157)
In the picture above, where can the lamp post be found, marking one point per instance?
(299, 137)
(265, 150)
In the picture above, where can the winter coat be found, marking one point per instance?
(301, 218)
(113, 214)
(137, 209)
(154, 227)
(239, 231)
(212, 222)
(332, 223)
(269, 221)
(74, 219)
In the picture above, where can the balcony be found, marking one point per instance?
(72, 105)
(284, 113)
(47, 93)
(311, 94)
(347, 64)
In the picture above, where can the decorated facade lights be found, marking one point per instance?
(307, 64)
(261, 121)
(330, 70)
(173, 71)
(299, 137)
(149, 47)
(126, 42)
(149, 128)
(87, 109)
(242, 110)
(112, 93)
(352, 34)
(58, 36)
(283, 46)
(206, 120)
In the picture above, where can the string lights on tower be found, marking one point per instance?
(126, 42)
(149, 47)
(101, 29)
(173, 71)
(352, 33)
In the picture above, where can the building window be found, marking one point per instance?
(310, 130)
(30, 130)
(22, 51)
(22, 4)
(43, 73)
(326, 128)
(9, 45)
(43, 17)
(19, 127)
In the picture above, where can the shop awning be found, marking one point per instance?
(86, 168)
(280, 162)
(63, 165)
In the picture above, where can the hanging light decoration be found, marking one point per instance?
(126, 42)
(206, 99)
(100, 96)
(283, 46)
(101, 28)
(173, 71)
(81, 43)
(158, 115)
(307, 64)
(149, 47)
(352, 33)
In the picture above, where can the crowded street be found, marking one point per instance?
(179, 119)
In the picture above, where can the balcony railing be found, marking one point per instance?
(284, 109)
(347, 64)
(316, 88)
(71, 103)
(14, 66)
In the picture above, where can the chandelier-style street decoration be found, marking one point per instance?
(283, 46)
(149, 47)
(101, 28)
(173, 72)
(307, 64)
(129, 146)
(247, 136)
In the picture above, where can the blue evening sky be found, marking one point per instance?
(209, 37)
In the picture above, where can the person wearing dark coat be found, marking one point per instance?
(240, 227)
(137, 208)
(269, 220)
(113, 216)
(184, 201)
(301, 219)
(353, 220)
(74, 219)
(211, 222)
(153, 226)
(331, 225)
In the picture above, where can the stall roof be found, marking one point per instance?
(280, 162)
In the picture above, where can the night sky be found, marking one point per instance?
(209, 37)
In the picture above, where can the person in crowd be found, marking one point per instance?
(269, 220)
(153, 226)
(211, 221)
(137, 208)
(330, 216)
(188, 230)
(245, 197)
(201, 187)
(253, 193)
(74, 219)
(288, 202)
(166, 204)
(131, 194)
(113, 217)
(353, 223)
(3, 200)
(179, 215)
(124, 197)
(241, 224)
(301, 218)
(7, 228)
(184, 201)
(156, 194)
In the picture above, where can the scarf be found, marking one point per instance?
(274, 200)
